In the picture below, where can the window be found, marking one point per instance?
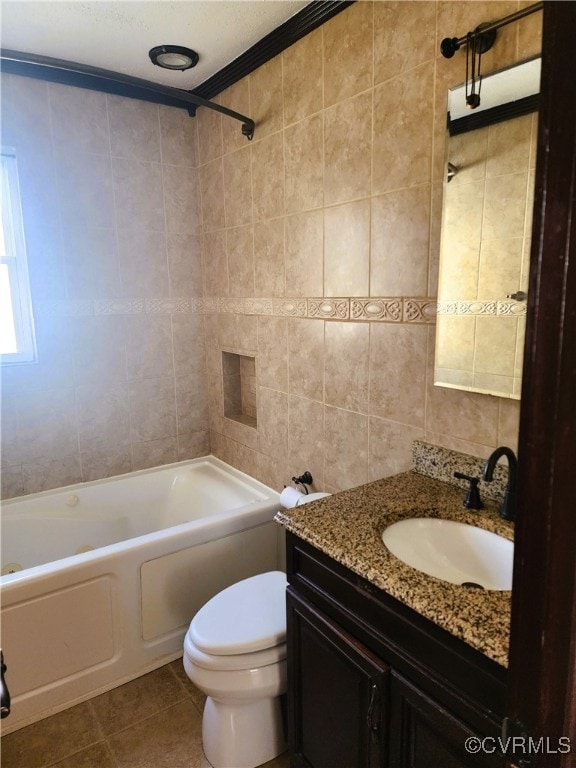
(17, 344)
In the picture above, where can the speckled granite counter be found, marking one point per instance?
(348, 527)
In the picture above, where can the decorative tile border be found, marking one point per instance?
(372, 309)
(377, 309)
(484, 307)
(337, 309)
(290, 307)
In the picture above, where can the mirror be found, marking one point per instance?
(486, 227)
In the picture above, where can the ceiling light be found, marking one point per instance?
(173, 57)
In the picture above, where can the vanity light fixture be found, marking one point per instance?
(173, 57)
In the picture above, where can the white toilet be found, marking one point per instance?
(235, 652)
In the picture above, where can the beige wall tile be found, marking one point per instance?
(348, 42)
(148, 347)
(269, 263)
(304, 242)
(46, 474)
(302, 77)
(138, 194)
(397, 372)
(304, 154)
(152, 423)
(91, 263)
(307, 445)
(273, 352)
(86, 194)
(268, 178)
(178, 137)
(191, 403)
(238, 188)
(154, 452)
(390, 447)
(99, 349)
(346, 463)
(403, 146)
(212, 195)
(246, 333)
(79, 120)
(95, 229)
(266, 98)
(215, 263)
(47, 425)
(181, 200)
(348, 149)
(273, 423)
(240, 252)
(209, 125)
(400, 242)
(402, 39)
(135, 249)
(346, 365)
(184, 264)
(306, 358)
(347, 249)
(134, 129)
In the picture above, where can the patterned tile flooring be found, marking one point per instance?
(154, 721)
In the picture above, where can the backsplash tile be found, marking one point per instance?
(441, 463)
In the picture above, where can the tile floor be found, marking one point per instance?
(154, 721)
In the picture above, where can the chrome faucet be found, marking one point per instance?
(508, 508)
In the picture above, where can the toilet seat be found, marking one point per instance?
(245, 619)
(234, 662)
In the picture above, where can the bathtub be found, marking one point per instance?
(101, 579)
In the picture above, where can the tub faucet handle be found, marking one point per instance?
(472, 500)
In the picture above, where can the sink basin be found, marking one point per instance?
(452, 551)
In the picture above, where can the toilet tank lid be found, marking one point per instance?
(248, 616)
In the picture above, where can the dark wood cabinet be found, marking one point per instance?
(372, 683)
(340, 693)
(424, 734)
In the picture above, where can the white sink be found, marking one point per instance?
(452, 551)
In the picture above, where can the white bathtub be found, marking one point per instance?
(78, 621)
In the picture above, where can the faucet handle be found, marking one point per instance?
(472, 500)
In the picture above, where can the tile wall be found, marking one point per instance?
(314, 249)
(109, 201)
(321, 243)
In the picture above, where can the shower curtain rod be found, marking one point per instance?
(450, 45)
(107, 81)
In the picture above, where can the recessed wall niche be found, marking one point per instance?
(239, 387)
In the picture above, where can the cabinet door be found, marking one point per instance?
(337, 694)
(425, 735)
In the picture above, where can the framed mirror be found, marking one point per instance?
(486, 226)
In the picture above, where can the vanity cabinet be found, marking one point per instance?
(372, 683)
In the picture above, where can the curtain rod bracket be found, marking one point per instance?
(484, 33)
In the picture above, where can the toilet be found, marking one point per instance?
(235, 652)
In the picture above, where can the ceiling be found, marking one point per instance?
(118, 34)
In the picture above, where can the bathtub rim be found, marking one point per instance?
(226, 522)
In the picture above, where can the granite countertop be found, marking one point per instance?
(348, 527)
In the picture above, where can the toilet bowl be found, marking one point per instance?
(235, 652)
